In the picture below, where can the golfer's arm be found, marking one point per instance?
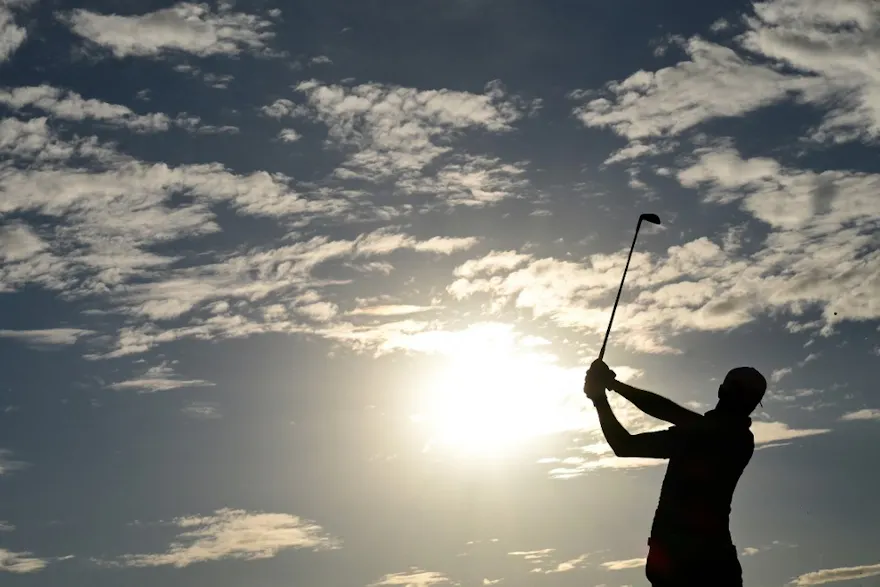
(656, 406)
(616, 435)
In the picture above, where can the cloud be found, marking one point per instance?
(289, 135)
(778, 374)
(814, 52)
(19, 242)
(494, 262)
(283, 107)
(158, 378)
(391, 310)
(105, 241)
(836, 42)
(822, 249)
(834, 575)
(753, 550)
(12, 36)
(637, 149)
(184, 27)
(69, 105)
(20, 562)
(413, 578)
(283, 271)
(829, 262)
(534, 555)
(395, 133)
(546, 561)
(633, 563)
(214, 80)
(234, 534)
(566, 566)
(715, 82)
(6, 526)
(772, 432)
(47, 337)
(202, 411)
(8, 465)
(866, 414)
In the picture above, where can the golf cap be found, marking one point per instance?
(749, 382)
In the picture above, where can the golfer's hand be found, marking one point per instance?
(598, 379)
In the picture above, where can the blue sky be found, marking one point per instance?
(303, 294)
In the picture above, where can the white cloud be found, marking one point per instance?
(11, 35)
(834, 575)
(838, 41)
(534, 556)
(184, 27)
(289, 135)
(47, 337)
(158, 378)
(566, 566)
(319, 311)
(235, 534)
(202, 411)
(391, 310)
(494, 262)
(637, 149)
(392, 132)
(478, 181)
(715, 82)
(772, 432)
(69, 105)
(19, 242)
(114, 212)
(633, 563)
(8, 465)
(413, 578)
(778, 374)
(283, 107)
(828, 48)
(699, 286)
(719, 25)
(866, 414)
(20, 562)
(6, 526)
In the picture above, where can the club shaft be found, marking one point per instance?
(620, 289)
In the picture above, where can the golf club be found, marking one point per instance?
(653, 219)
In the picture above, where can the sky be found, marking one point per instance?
(302, 294)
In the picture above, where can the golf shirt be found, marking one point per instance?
(704, 468)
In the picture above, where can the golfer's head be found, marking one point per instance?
(742, 389)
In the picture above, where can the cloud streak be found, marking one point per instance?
(184, 27)
(20, 562)
(158, 378)
(826, 576)
(234, 534)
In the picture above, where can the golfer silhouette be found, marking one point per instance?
(690, 542)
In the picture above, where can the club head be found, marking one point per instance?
(652, 218)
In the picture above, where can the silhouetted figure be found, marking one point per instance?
(690, 541)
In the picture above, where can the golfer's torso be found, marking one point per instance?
(698, 488)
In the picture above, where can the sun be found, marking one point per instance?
(493, 399)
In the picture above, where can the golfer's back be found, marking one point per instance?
(704, 468)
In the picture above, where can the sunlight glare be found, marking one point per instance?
(493, 397)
